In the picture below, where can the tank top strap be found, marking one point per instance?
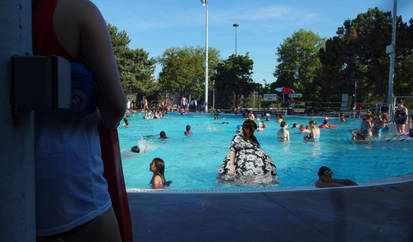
(44, 38)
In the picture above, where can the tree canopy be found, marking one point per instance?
(298, 62)
(358, 54)
(136, 69)
(233, 80)
(183, 70)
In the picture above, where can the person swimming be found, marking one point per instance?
(357, 135)
(162, 135)
(188, 130)
(135, 149)
(325, 179)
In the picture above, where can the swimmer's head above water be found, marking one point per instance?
(135, 149)
(162, 135)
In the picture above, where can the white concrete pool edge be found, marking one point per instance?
(374, 183)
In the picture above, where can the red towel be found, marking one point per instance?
(113, 173)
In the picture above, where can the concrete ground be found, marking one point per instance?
(364, 213)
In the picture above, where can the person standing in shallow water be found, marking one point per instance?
(247, 163)
(157, 167)
(283, 133)
(401, 117)
(314, 134)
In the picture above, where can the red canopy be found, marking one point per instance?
(284, 90)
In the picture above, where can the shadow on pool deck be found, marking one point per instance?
(378, 213)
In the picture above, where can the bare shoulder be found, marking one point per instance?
(157, 179)
(82, 9)
(80, 4)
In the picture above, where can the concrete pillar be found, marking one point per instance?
(17, 203)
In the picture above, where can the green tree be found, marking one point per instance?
(358, 53)
(233, 80)
(298, 62)
(136, 69)
(183, 70)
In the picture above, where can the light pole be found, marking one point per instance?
(392, 50)
(235, 26)
(205, 4)
(355, 98)
(213, 96)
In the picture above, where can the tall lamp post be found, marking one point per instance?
(205, 4)
(235, 26)
(392, 50)
(355, 98)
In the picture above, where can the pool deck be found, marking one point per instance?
(381, 212)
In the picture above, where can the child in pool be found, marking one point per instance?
(136, 149)
(188, 130)
(379, 125)
(162, 135)
(357, 136)
(157, 166)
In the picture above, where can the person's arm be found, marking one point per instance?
(346, 182)
(288, 135)
(320, 184)
(407, 115)
(157, 182)
(97, 55)
(232, 162)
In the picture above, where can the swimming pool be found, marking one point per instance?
(192, 162)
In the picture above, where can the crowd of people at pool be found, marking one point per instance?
(68, 156)
(247, 164)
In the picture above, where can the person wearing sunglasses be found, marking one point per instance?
(325, 179)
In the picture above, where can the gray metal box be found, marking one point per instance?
(41, 83)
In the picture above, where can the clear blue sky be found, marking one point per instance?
(156, 25)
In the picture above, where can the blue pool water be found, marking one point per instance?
(192, 162)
